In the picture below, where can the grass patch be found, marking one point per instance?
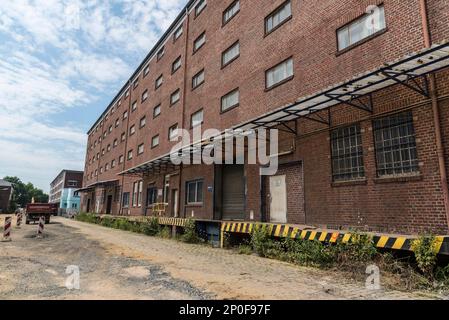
(353, 258)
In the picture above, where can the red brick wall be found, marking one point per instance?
(310, 38)
(295, 192)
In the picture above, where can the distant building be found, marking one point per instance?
(5, 195)
(63, 187)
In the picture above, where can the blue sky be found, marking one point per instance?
(61, 63)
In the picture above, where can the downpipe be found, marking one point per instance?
(436, 112)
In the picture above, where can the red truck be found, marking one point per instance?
(36, 210)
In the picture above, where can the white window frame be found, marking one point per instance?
(153, 140)
(200, 7)
(195, 123)
(141, 149)
(233, 9)
(178, 33)
(176, 94)
(227, 96)
(278, 17)
(199, 42)
(279, 73)
(198, 79)
(346, 37)
(228, 51)
(158, 107)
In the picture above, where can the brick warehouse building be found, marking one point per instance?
(362, 148)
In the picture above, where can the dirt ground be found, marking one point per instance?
(115, 264)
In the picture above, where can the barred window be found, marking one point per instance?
(395, 144)
(347, 154)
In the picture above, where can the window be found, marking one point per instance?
(134, 106)
(176, 65)
(127, 93)
(199, 42)
(136, 83)
(151, 195)
(101, 170)
(115, 143)
(125, 115)
(140, 149)
(146, 71)
(139, 194)
(157, 111)
(231, 11)
(278, 17)
(177, 34)
(198, 79)
(130, 154)
(159, 81)
(160, 53)
(394, 139)
(194, 192)
(135, 193)
(155, 141)
(144, 95)
(132, 130)
(113, 164)
(175, 96)
(117, 122)
(109, 148)
(279, 74)
(120, 159)
(230, 54)
(72, 183)
(142, 122)
(119, 103)
(362, 28)
(125, 200)
(166, 190)
(110, 129)
(96, 172)
(230, 100)
(200, 7)
(347, 154)
(102, 152)
(106, 167)
(123, 136)
(173, 131)
(197, 118)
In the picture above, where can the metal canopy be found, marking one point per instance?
(98, 184)
(409, 71)
(357, 92)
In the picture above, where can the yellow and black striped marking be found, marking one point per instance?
(168, 221)
(286, 231)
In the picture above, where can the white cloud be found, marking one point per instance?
(54, 62)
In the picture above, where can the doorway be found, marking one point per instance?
(109, 205)
(233, 192)
(278, 199)
(175, 209)
(88, 205)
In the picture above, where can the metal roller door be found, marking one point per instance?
(233, 192)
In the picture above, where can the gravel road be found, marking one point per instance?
(114, 264)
